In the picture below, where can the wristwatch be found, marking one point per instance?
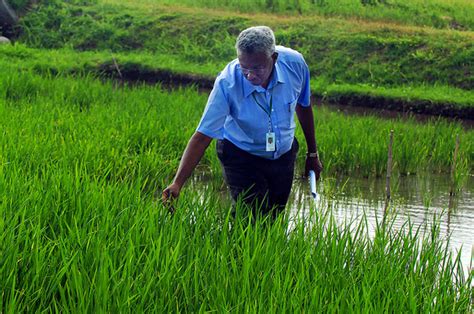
(312, 155)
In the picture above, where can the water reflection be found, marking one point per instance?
(350, 199)
(415, 198)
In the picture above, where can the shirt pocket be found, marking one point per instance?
(291, 107)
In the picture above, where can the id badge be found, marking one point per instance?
(270, 142)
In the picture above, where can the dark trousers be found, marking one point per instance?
(262, 184)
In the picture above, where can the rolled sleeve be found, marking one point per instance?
(304, 98)
(215, 113)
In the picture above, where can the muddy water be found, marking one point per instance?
(415, 198)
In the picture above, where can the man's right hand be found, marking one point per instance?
(170, 193)
(196, 147)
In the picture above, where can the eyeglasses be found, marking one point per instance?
(258, 70)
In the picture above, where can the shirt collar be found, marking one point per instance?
(277, 77)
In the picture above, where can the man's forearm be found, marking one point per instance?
(305, 117)
(193, 153)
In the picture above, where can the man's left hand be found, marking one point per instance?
(313, 163)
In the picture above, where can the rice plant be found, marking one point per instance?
(81, 159)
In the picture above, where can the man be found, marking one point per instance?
(250, 112)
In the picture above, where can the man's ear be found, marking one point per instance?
(275, 57)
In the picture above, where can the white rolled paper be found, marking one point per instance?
(312, 183)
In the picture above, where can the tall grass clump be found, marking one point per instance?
(359, 145)
(149, 127)
(75, 242)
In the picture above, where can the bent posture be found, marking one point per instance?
(250, 112)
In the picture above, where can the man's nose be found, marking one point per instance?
(250, 75)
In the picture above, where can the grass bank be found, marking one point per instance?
(435, 13)
(80, 161)
(175, 71)
(348, 144)
(356, 59)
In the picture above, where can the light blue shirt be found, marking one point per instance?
(231, 112)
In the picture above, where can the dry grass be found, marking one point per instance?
(346, 24)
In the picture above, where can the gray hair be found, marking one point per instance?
(256, 39)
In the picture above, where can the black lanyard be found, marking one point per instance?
(263, 108)
(267, 112)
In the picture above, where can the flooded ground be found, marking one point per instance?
(416, 198)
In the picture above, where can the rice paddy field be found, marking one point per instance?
(86, 152)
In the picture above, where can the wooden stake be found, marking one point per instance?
(389, 173)
(389, 165)
(452, 192)
(117, 67)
